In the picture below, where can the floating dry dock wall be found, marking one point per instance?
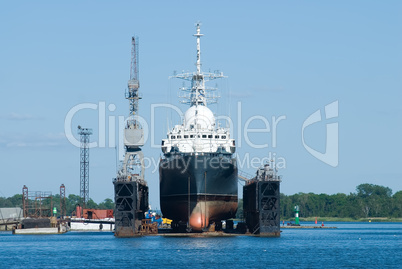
(131, 199)
(261, 207)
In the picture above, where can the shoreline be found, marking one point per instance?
(335, 219)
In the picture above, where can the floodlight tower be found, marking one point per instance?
(84, 164)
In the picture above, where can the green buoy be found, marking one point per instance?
(297, 210)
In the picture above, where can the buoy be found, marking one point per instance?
(297, 215)
(315, 220)
(322, 224)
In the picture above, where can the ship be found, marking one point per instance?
(198, 169)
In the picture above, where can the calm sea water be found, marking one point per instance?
(352, 245)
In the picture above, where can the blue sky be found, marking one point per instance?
(281, 58)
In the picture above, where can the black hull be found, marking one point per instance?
(198, 189)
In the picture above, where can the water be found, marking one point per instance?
(352, 245)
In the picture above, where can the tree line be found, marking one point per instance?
(369, 201)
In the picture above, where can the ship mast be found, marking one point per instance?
(197, 93)
(198, 84)
(198, 35)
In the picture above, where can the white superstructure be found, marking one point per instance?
(199, 132)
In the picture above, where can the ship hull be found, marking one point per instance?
(198, 189)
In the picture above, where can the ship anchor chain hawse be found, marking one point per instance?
(198, 172)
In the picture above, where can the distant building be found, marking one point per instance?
(10, 213)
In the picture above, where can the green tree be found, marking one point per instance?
(366, 190)
(71, 202)
(4, 202)
(374, 200)
(396, 206)
(16, 200)
(91, 204)
(106, 204)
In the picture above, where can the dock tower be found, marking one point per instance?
(261, 202)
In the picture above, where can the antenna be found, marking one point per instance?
(198, 35)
